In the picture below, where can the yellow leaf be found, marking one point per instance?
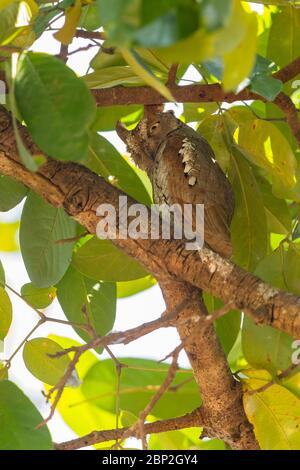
(274, 413)
(145, 75)
(8, 236)
(72, 16)
(266, 146)
(239, 62)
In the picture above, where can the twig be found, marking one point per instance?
(269, 384)
(193, 419)
(59, 388)
(138, 428)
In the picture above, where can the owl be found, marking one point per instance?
(182, 168)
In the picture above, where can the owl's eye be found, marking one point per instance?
(154, 127)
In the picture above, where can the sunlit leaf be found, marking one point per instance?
(38, 297)
(37, 357)
(67, 32)
(5, 313)
(275, 415)
(135, 61)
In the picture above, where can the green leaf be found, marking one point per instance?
(41, 227)
(108, 116)
(249, 226)
(158, 23)
(265, 347)
(239, 62)
(266, 86)
(38, 297)
(3, 372)
(105, 160)
(275, 415)
(101, 260)
(37, 357)
(215, 14)
(212, 129)
(267, 147)
(112, 76)
(5, 313)
(98, 298)
(55, 104)
(19, 419)
(126, 289)
(278, 216)
(139, 67)
(2, 274)
(11, 193)
(139, 381)
(90, 17)
(285, 23)
(198, 111)
(271, 268)
(292, 268)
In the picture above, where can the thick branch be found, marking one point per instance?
(80, 192)
(221, 395)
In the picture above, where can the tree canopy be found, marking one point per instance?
(232, 69)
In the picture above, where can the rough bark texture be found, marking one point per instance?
(80, 192)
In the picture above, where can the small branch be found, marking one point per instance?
(193, 419)
(81, 33)
(274, 381)
(138, 428)
(59, 388)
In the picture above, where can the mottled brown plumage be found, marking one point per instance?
(182, 168)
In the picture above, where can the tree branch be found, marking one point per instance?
(80, 192)
(193, 419)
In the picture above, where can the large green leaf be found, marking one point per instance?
(41, 227)
(55, 104)
(19, 418)
(285, 23)
(274, 413)
(75, 291)
(278, 216)
(249, 227)
(11, 193)
(101, 260)
(5, 313)
(104, 159)
(37, 357)
(265, 347)
(267, 147)
(139, 381)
